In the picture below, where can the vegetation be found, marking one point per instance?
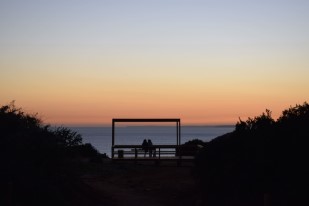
(262, 157)
(37, 162)
(190, 148)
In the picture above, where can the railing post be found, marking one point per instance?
(180, 156)
(112, 152)
(135, 150)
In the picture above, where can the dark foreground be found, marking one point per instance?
(143, 184)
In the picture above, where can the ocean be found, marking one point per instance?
(101, 137)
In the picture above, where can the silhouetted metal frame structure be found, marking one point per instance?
(167, 120)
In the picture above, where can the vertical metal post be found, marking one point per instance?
(179, 134)
(113, 137)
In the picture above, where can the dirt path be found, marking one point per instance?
(130, 184)
(121, 195)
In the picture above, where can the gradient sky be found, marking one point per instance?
(207, 62)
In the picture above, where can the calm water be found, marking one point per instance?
(101, 137)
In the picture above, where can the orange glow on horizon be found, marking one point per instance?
(63, 113)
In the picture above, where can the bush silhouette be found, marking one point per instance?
(260, 157)
(190, 148)
(35, 159)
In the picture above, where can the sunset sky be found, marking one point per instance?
(206, 62)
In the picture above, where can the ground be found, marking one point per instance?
(143, 183)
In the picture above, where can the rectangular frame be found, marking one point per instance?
(177, 121)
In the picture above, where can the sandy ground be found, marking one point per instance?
(125, 184)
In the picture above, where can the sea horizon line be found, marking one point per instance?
(144, 125)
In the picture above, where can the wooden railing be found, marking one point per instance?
(137, 151)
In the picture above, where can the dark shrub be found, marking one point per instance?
(190, 148)
(261, 157)
(35, 160)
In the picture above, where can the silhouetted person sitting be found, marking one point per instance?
(145, 147)
(150, 147)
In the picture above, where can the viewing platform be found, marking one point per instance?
(156, 153)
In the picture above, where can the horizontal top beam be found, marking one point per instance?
(146, 120)
(140, 146)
